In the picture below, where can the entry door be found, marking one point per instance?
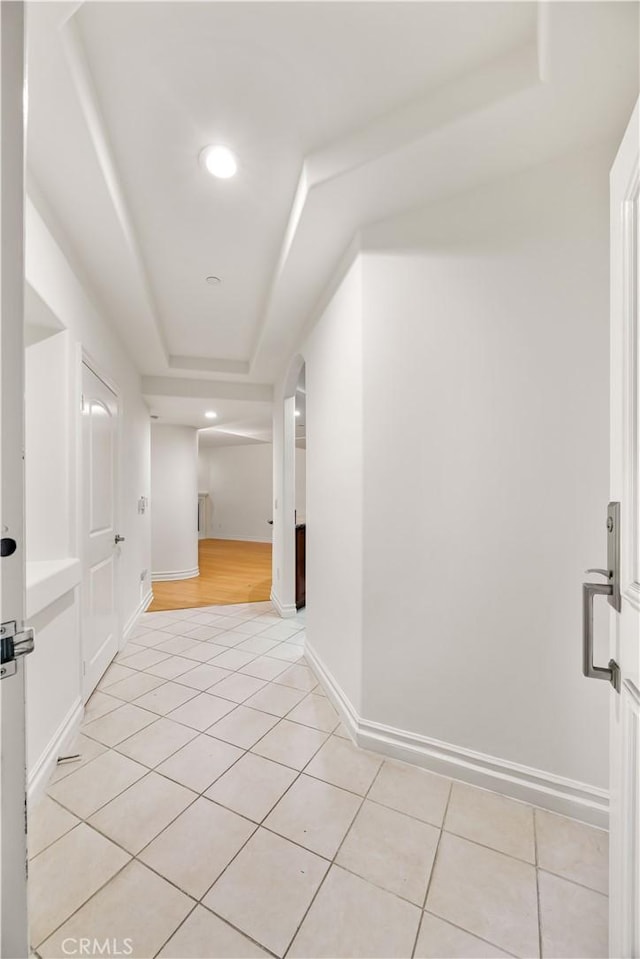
(625, 488)
(13, 848)
(101, 550)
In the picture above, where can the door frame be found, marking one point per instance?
(624, 863)
(85, 358)
(14, 931)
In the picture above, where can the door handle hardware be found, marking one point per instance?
(13, 644)
(118, 539)
(612, 671)
(610, 589)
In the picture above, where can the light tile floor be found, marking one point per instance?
(219, 809)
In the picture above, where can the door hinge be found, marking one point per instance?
(14, 643)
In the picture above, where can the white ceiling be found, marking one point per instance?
(341, 115)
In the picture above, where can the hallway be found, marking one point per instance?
(231, 572)
(219, 810)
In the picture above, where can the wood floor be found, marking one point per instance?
(230, 572)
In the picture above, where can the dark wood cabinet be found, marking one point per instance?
(301, 537)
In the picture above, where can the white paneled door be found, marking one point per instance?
(13, 842)
(625, 488)
(99, 507)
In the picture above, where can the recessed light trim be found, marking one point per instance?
(213, 280)
(210, 415)
(219, 161)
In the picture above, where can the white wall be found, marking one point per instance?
(174, 502)
(54, 670)
(333, 365)
(457, 408)
(239, 481)
(486, 470)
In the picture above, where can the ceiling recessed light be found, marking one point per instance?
(210, 415)
(213, 280)
(297, 412)
(219, 161)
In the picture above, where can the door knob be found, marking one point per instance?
(118, 539)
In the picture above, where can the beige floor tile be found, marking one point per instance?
(228, 639)
(120, 724)
(200, 762)
(151, 639)
(287, 653)
(148, 657)
(166, 698)
(155, 743)
(281, 630)
(114, 674)
(351, 918)
(86, 748)
(315, 711)
(300, 677)
(391, 850)
(492, 820)
(234, 659)
(573, 850)
(100, 704)
(243, 727)
(345, 765)
(202, 711)
(194, 850)
(249, 628)
(203, 676)
(342, 732)
(64, 876)
(257, 644)
(177, 626)
(291, 744)
(134, 686)
(487, 893)
(413, 791)
(178, 645)
(48, 821)
(96, 783)
(278, 700)
(204, 652)
(137, 911)
(573, 920)
(137, 816)
(267, 888)
(315, 815)
(252, 786)
(237, 687)
(438, 938)
(171, 667)
(264, 668)
(204, 936)
(203, 633)
(129, 650)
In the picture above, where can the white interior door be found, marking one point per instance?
(13, 848)
(625, 488)
(100, 553)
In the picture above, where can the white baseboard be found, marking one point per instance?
(143, 605)
(39, 776)
(286, 611)
(164, 576)
(538, 787)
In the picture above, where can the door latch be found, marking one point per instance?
(13, 644)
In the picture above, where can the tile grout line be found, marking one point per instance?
(433, 869)
(538, 905)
